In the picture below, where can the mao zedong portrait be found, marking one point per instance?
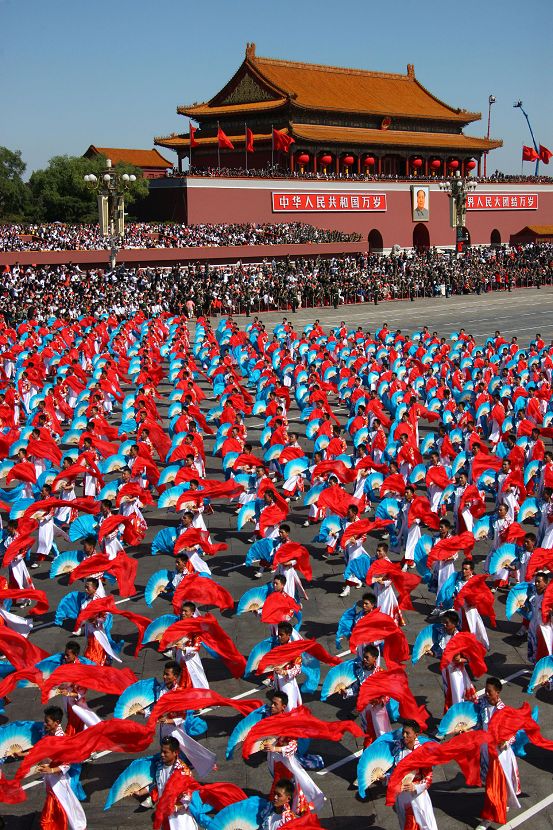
(420, 204)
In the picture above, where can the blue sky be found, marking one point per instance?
(112, 73)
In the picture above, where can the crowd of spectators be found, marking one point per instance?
(275, 172)
(57, 236)
(69, 291)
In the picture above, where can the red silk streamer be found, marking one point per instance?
(210, 633)
(292, 551)
(218, 795)
(42, 604)
(106, 605)
(420, 509)
(337, 468)
(362, 527)
(23, 471)
(464, 749)
(20, 545)
(202, 590)
(467, 645)
(541, 559)
(288, 653)
(376, 626)
(18, 650)
(446, 548)
(115, 735)
(335, 499)
(193, 537)
(402, 581)
(547, 604)
(394, 483)
(278, 607)
(393, 683)
(186, 700)
(476, 594)
(438, 477)
(133, 490)
(8, 684)
(122, 567)
(299, 723)
(111, 523)
(106, 679)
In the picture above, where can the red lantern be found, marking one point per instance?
(417, 163)
(435, 164)
(326, 159)
(471, 164)
(348, 160)
(369, 161)
(303, 158)
(454, 164)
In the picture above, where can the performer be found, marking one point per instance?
(413, 805)
(374, 717)
(168, 765)
(62, 810)
(280, 810)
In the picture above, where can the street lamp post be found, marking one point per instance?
(518, 105)
(110, 187)
(491, 102)
(458, 189)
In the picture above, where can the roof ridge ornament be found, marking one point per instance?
(250, 51)
(410, 70)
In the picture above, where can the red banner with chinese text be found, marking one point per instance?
(502, 201)
(328, 202)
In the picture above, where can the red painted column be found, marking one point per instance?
(314, 161)
(359, 164)
(291, 154)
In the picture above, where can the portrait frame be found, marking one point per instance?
(420, 213)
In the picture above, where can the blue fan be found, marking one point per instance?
(157, 627)
(112, 464)
(358, 568)
(169, 473)
(422, 549)
(242, 728)
(137, 697)
(329, 525)
(295, 467)
(531, 470)
(253, 599)
(339, 677)
(109, 491)
(244, 815)
(312, 495)
(164, 541)
(83, 527)
(139, 774)
(311, 668)
(418, 474)
(459, 718)
(376, 761)
(387, 509)
(529, 509)
(246, 514)
(256, 654)
(446, 594)
(157, 583)
(170, 497)
(19, 736)
(69, 607)
(500, 558)
(482, 528)
(426, 640)
(66, 562)
(260, 551)
(346, 623)
(516, 599)
(543, 672)
(19, 507)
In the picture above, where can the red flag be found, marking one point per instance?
(249, 140)
(299, 723)
(184, 700)
(223, 140)
(202, 590)
(192, 133)
(466, 644)
(393, 683)
(277, 607)
(210, 633)
(106, 679)
(19, 651)
(281, 141)
(115, 735)
(545, 154)
(281, 655)
(529, 154)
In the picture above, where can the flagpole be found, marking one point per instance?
(246, 143)
(190, 151)
(218, 148)
(272, 145)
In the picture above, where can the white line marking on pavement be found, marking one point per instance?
(232, 568)
(537, 808)
(506, 680)
(340, 763)
(343, 653)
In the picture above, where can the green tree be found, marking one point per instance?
(13, 193)
(60, 194)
